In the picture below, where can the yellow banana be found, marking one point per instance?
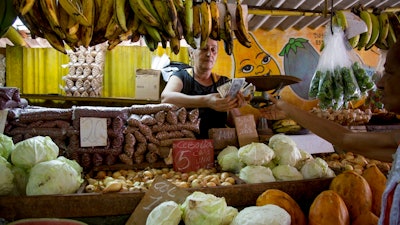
(119, 9)
(241, 32)
(163, 11)
(384, 27)
(187, 18)
(364, 37)
(205, 23)
(86, 32)
(105, 15)
(214, 20)
(374, 33)
(74, 8)
(141, 9)
(26, 6)
(196, 20)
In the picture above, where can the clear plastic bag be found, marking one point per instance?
(334, 83)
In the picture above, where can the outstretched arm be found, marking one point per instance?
(376, 145)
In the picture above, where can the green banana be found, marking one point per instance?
(374, 33)
(74, 9)
(187, 19)
(162, 10)
(384, 27)
(288, 129)
(88, 8)
(119, 9)
(354, 41)
(8, 18)
(152, 32)
(50, 11)
(144, 13)
(364, 37)
(105, 15)
(341, 19)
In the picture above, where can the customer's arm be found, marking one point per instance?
(376, 145)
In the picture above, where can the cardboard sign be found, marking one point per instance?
(3, 119)
(161, 190)
(223, 137)
(246, 129)
(191, 155)
(93, 131)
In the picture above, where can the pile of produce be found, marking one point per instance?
(85, 75)
(280, 160)
(34, 167)
(88, 23)
(346, 117)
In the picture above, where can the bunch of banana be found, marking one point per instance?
(286, 126)
(87, 23)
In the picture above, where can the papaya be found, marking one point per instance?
(285, 201)
(377, 182)
(355, 192)
(328, 208)
(366, 218)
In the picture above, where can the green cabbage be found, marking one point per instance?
(20, 180)
(257, 154)
(200, 208)
(53, 177)
(6, 146)
(316, 168)
(228, 159)
(29, 152)
(6, 177)
(286, 172)
(256, 174)
(166, 213)
(286, 150)
(262, 215)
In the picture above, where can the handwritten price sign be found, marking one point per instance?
(93, 131)
(160, 191)
(191, 155)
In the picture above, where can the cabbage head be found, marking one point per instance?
(200, 208)
(286, 173)
(20, 180)
(53, 177)
(256, 174)
(286, 150)
(6, 145)
(31, 151)
(257, 154)
(268, 214)
(6, 177)
(316, 168)
(228, 159)
(166, 213)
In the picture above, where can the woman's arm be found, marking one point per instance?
(172, 94)
(376, 145)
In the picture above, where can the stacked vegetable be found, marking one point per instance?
(33, 167)
(340, 78)
(280, 160)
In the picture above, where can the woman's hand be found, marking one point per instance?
(216, 102)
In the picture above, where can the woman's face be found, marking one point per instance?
(390, 81)
(206, 57)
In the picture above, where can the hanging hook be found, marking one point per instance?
(331, 23)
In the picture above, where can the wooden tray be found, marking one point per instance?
(272, 82)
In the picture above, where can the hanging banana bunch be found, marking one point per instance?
(383, 28)
(75, 23)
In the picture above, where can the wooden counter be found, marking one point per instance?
(114, 204)
(69, 101)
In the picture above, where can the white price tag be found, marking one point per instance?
(93, 131)
(3, 119)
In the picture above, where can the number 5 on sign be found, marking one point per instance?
(93, 131)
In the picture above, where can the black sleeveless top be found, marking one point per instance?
(209, 118)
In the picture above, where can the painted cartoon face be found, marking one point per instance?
(253, 61)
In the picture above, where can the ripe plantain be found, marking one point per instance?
(119, 10)
(214, 20)
(226, 33)
(25, 6)
(241, 32)
(146, 14)
(105, 15)
(74, 9)
(196, 20)
(205, 24)
(167, 17)
(384, 27)
(86, 32)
